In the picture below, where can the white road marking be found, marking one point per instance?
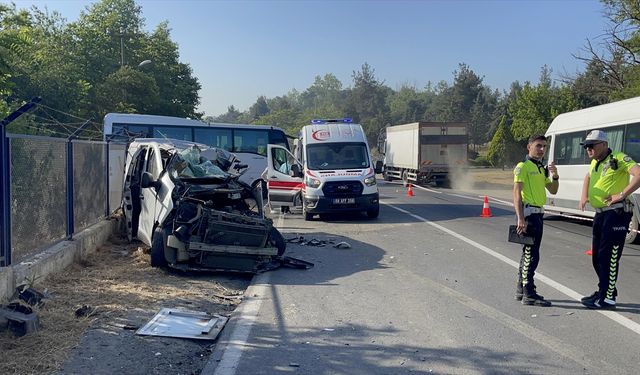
(246, 317)
(280, 222)
(616, 317)
(526, 330)
(426, 189)
(499, 201)
(414, 186)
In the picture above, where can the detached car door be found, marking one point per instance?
(283, 187)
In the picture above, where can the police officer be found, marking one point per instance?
(531, 177)
(606, 187)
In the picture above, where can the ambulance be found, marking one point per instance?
(329, 171)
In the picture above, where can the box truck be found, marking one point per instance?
(423, 152)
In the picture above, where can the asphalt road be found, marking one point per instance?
(428, 288)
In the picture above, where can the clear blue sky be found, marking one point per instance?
(242, 49)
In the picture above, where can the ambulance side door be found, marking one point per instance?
(284, 176)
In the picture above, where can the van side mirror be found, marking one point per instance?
(295, 171)
(147, 181)
(378, 168)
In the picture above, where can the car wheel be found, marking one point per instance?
(277, 240)
(158, 242)
(373, 212)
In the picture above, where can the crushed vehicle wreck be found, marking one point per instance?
(185, 201)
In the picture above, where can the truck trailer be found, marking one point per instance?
(423, 152)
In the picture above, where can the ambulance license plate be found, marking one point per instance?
(344, 200)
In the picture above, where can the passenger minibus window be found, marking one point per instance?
(182, 133)
(632, 142)
(220, 138)
(253, 141)
(124, 131)
(615, 136)
(567, 149)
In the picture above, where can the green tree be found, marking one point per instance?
(368, 102)
(325, 95)
(14, 40)
(408, 105)
(503, 149)
(259, 108)
(536, 106)
(230, 117)
(128, 90)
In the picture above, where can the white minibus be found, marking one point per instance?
(247, 142)
(621, 122)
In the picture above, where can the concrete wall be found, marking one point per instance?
(55, 258)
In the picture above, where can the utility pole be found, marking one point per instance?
(121, 48)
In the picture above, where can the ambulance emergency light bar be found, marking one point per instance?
(345, 120)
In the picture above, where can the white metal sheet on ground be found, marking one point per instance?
(184, 324)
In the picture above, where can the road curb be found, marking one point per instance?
(55, 258)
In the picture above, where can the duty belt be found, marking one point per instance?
(612, 207)
(529, 209)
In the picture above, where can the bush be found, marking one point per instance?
(480, 161)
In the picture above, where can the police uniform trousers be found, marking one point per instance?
(609, 232)
(530, 253)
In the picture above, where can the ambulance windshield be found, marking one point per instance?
(337, 156)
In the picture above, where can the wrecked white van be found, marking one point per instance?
(185, 201)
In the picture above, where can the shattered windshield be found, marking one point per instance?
(192, 162)
(337, 156)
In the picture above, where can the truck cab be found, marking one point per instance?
(329, 171)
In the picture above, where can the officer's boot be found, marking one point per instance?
(530, 297)
(519, 292)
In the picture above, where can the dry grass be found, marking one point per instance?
(492, 176)
(114, 280)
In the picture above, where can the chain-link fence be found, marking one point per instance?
(40, 194)
(89, 186)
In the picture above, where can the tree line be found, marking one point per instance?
(92, 66)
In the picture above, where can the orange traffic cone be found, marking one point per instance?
(410, 192)
(589, 252)
(486, 211)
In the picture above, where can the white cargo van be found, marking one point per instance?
(330, 171)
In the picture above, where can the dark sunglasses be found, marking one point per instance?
(592, 145)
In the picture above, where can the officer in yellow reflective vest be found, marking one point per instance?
(530, 178)
(606, 187)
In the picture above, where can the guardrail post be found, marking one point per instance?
(5, 181)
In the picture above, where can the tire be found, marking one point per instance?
(158, 242)
(632, 235)
(307, 215)
(443, 182)
(386, 176)
(405, 178)
(373, 213)
(277, 240)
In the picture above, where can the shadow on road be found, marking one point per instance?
(347, 349)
